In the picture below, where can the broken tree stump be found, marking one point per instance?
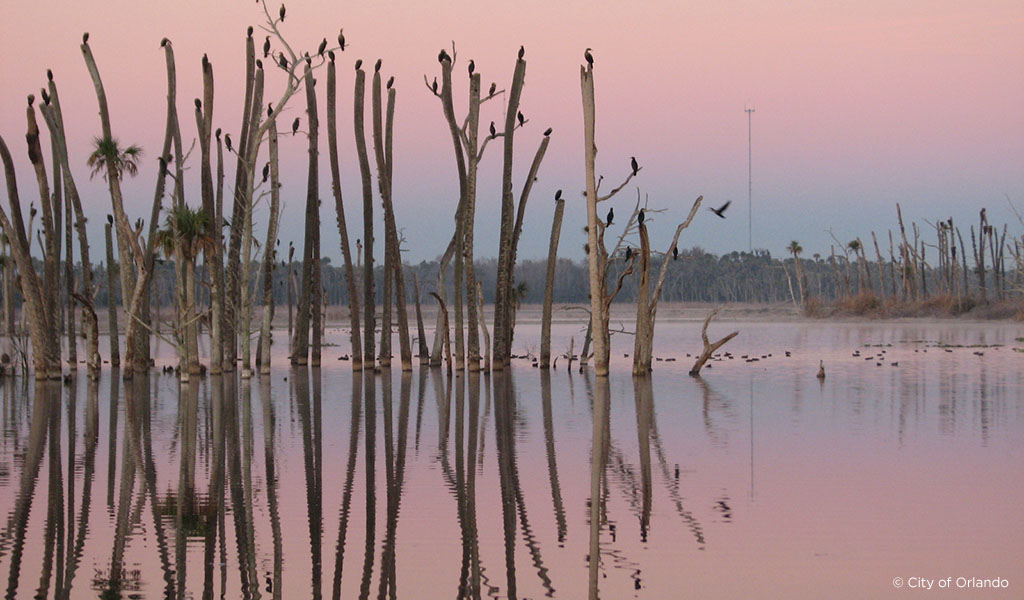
(709, 348)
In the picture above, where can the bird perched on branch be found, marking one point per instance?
(494, 88)
(323, 47)
(266, 47)
(281, 60)
(266, 172)
(494, 131)
(633, 164)
(629, 253)
(521, 118)
(720, 211)
(341, 40)
(227, 141)
(611, 215)
(295, 126)
(281, 12)
(640, 218)
(675, 252)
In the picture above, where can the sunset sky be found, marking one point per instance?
(859, 105)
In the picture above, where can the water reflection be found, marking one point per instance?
(490, 486)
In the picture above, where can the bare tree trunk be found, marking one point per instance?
(369, 303)
(709, 348)
(350, 278)
(598, 312)
(642, 340)
(269, 255)
(449, 253)
(502, 299)
(447, 339)
(424, 351)
(879, 265)
(214, 255)
(115, 354)
(483, 325)
(549, 283)
(248, 159)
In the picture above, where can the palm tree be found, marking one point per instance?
(795, 249)
(107, 157)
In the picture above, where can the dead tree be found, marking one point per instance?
(369, 304)
(549, 282)
(350, 278)
(709, 348)
(647, 303)
(269, 256)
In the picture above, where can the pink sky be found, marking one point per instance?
(858, 105)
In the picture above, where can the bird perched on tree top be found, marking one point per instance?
(640, 218)
(720, 211)
(558, 195)
(443, 56)
(548, 131)
(110, 219)
(589, 57)
(472, 67)
(376, 67)
(359, 64)
(633, 164)
(391, 82)
(522, 52)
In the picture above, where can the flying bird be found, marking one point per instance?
(589, 57)
(472, 67)
(295, 126)
(548, 131)
(323, 47)
(281, 12)
(266, 172)
(640, 218)
(611, 215)
(720, 211)
(494, 131)
(266, 47)
(522, 52)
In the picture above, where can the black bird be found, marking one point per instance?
(110, 219)
(266, 47)
(472, 67)
(589, 57)
(49, 77)
(259, 64)
(206, 63)
(494, 87)
(634, 165)
(521, 118)
(558, 195)
(376, 67)
(391, 81)
(494, 131)
(164, 42)
(640, 217)
(629, 253)
(295, 126)
(281, 60)
(522, 52)
(359, 64)
(281, 12)
(323, 47)
(433, 86)
(721, 209)
(217, 133)
(675, 252)
(31, 99)
(443, 56)
(85, 37)
(248, 32)
(341, 40)
(330, 54)
(548, 131)
(227, 141)
(270, 110)
(611, 215)
(266, 172)
(46, 97)
(199, 103)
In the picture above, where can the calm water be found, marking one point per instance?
(756, 480)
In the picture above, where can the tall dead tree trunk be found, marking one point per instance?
(350, 278)
(214, 254)
(309, 295)
(549, 282)
(503, 291)
(269, 256)
(369, 303)
(112, 288)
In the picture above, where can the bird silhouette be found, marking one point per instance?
(341, 41)
(494, 88)
(359, 64)
(675, 252)
(281, 12)
(522, 52)
(548, 131)
(821, 370)
(720, 211)
(266, 172)
(443, 56)
(640, 217)
(633, 164)
(472, 67)
(629, 253)
(227, 141)
(611, 215)
(391, 82)
(589, 57)
(494, 131)
(295, 126)
(558, 195)
(281, 60)
(266, 47)
(323, 47)
(433, 86)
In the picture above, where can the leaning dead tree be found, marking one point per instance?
(647, 301)
(709, 348)
(597, 256)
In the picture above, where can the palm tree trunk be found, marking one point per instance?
(350, 278)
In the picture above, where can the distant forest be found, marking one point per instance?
(695, 276)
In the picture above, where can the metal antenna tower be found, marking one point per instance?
(750, 186)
